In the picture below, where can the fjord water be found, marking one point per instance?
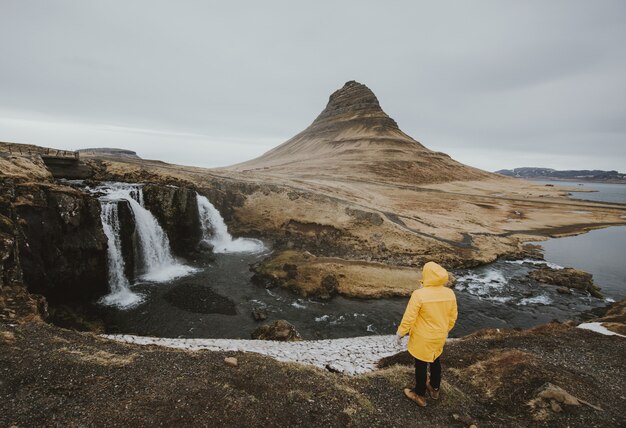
(599, 192)
(600, 252)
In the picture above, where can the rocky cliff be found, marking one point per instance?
(176, 209)
(62, 245)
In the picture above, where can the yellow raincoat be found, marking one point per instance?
(430, 314)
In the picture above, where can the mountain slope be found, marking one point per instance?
(354, 138)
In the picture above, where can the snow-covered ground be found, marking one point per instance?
(351, 355)
(599, 328)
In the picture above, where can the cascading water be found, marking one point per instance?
(120, 295)
(215, 231)
(156, 260)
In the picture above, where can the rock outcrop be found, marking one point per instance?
(62, 246)
(176, 209)
(568, 277)
(280, 330)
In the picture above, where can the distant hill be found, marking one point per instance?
(553, 174)
(110, 152)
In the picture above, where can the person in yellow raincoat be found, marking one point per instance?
(429, 316)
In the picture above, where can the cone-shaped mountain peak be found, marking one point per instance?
(353, 101)
(353, 138)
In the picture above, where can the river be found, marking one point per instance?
(217, 299)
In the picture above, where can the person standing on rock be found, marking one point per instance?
(429, 316)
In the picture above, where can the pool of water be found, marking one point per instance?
(602, 253)
(600, 192)
(498, 295)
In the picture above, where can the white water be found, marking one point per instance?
(155, 257)
(215, 231)
(120, 295)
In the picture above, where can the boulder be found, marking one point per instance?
(259, 314)
(568, 277)
(280, 330)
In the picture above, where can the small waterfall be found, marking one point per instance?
(120, 295)
(215, 231)
(155, 257)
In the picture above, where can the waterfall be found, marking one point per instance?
(154, 255)
(120, 295)
(215, 231)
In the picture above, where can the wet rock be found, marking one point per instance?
(328, 286)
(568, 277)
(63, 250)
(280, 330)
(259, 314)
(176, 209)
(204, 247)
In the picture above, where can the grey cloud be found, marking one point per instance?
(497, 77)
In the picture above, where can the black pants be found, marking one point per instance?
(421, 368)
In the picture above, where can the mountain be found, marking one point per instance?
(581, 175)
(353, 138)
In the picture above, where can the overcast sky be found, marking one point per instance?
(495, 84)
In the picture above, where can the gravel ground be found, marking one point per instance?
(55, 377)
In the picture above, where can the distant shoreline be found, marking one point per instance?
(573, 180)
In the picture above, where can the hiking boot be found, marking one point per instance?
(434, 393)
(421, 401)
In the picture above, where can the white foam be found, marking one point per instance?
(481, 284)
(122, 299)
(499, 299)
(167, 273)
(298, 305)
(323, 318)
(157, 262)
(599, 328)
(536, 300)
(535, 262)
(120, 295)
(216, 232)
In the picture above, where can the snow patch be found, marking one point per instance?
(598, 328)
(350, 355)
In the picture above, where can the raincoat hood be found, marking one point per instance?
(434, 275)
